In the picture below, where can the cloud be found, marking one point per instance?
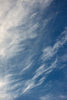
(39, 72)
(32, 83)
(17, 29)
(64, 58)
(13, 17)
(45, 97)
(53, 97)
(50, 51)
(10, 35)
(13, 14)
(3, 88)
(45, 69)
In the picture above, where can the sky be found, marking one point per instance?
(33, 49)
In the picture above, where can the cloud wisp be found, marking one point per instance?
(50, 51)
(31, 83)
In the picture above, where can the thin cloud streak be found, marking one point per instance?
(49, 52)
(31, 83)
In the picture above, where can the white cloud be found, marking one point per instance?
(39, 72)
(47, 97)
(3, 88)
(53, 97)
(27, 67)
(44, 69)
(31, 83)
(12, 15)
(49, 52)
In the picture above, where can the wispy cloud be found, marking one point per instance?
(50, 51)
(47, 97)
(31, 83)
(53, 97)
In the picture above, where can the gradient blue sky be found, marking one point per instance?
(33, 49)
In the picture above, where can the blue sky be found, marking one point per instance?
(33, 49)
